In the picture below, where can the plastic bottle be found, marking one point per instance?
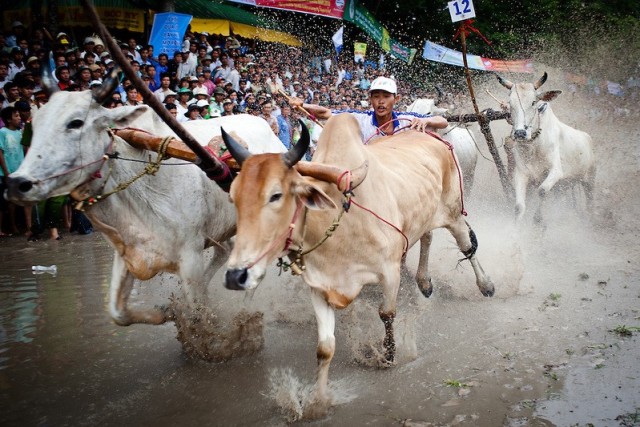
(39, 269)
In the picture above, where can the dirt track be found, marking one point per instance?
(542, 351)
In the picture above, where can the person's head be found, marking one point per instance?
(132, 44)
(193, 112)
(383, 95)
(266, 107)
(24, 109)
(170, 97)
(132, 92)
(165, 81)
(11, 91)
(227, 104)
(4, 71)
(151, 70)
(172, 108)
(163, 59)
(219, 94)
(11, 117)
(184, 94)
(285, 109)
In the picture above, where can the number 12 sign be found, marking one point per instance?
(461, 10)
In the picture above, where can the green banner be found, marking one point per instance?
(362, 18)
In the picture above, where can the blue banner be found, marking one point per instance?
(168, 31)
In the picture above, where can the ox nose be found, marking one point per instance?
(236, 279)
(520, 134)
(18, 185)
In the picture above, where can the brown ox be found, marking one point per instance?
(412, 182)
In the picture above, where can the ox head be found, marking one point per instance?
(527, 104)
(269, 194)
(69, 141)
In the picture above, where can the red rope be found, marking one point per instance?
(286, 235)
(438, 137)
(468, 28)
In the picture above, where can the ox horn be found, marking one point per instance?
(541, 81)
(332, 174)
(297, 152)
(109, 84)
(505, 83)
(238, 152)
(48, 83)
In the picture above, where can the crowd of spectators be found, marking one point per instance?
(211, 76)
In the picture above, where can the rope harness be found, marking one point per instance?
(150, 169)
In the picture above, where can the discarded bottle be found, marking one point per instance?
(39, 269)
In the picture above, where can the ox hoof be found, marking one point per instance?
(426, 287)
(487, 289)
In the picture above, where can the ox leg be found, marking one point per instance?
(325, 317)
(422, 275)
(121, 286)
(387, 312)
(468, 244)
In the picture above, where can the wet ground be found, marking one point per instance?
(557, 345)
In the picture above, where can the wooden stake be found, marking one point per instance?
(482, 120)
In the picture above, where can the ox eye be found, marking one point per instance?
(275, 197)
(75, 124)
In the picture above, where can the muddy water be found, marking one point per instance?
(541, 352)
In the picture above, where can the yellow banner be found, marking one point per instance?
(211, 26)
(111, 17)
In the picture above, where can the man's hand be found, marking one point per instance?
(429, 123)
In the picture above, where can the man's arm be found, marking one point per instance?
(318, 111)
(429, 123)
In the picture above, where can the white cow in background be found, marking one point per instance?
(547, 151)
(460, 137)
(160, 223)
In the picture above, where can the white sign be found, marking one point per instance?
(461, 10)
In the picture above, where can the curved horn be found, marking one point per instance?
(109, 84)
(505, 83)
(48, 83)
(541, 81)
(297, 152)
(331, 174)
(238, 152)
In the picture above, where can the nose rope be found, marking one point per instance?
(286, 236)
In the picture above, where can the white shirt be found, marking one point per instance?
(369, 124)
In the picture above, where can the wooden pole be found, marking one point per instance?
(214, 168)
(482, 120)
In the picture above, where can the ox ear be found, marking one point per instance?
(124, 116)
(549, 95)
(312, 195)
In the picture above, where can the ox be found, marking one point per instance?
(460, 137)
(412, 186)
(160, 223)
(547, 151)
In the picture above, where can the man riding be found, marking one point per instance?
(381, 120)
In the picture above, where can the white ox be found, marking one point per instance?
(285, 207)
(460, 137)
(160, 223)
(547, 151)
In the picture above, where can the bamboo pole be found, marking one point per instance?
(482, 119)
(214, 168)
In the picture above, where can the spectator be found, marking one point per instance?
(11, 156)
(285, 128)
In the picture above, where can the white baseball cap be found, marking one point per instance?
(384, 83)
